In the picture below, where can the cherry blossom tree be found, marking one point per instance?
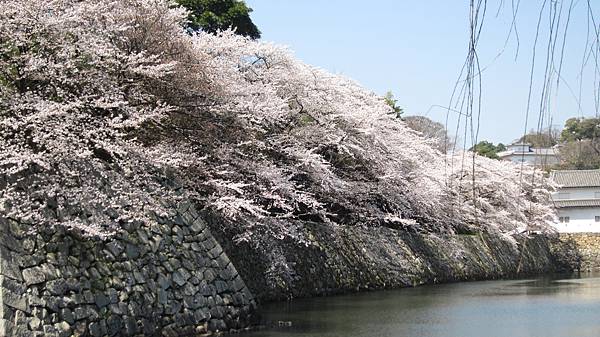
(104, 104)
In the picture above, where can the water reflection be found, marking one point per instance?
(563, 306)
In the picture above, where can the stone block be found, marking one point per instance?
(11, 329)
(86, 312)
(10, 242)
(221, 286)
(12, 294)
(181, 276)
(35, 323)
(132, 251)
(33, 275)
(9, 264)
(223, 260)
(209, 243)
(115, 248)
(95, 329)
(114, 325)
(50, 271)
(101, 300)
(63, 329)
(67, 315)
(5, 328)
(131, 327)
(57, 287)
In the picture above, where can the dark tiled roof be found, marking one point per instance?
(533, 152)
(577, 203)
(576, 178)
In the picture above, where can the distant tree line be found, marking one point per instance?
(578, 143)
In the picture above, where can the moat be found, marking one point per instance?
(550, 306)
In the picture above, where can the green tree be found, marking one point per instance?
(580, 148)
(215, 15)
(578, 155)
(487, 149)
(389, 100)
(545, 138)
(581, 128)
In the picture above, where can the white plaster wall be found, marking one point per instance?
(519, 158)
(532, 159)
(577, 193)
(581, 220)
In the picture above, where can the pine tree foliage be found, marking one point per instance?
(99, 100)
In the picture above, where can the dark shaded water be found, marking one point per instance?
(559, 306)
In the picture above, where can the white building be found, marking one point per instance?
(524, 153)
(577, 200)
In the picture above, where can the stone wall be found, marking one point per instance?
(171, 277)
(340, 259)
(588, 245)
(166, 278)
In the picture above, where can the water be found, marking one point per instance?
(558, 306)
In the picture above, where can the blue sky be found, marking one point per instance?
(416, 50)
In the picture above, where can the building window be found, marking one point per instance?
(597, 218)
(564, 195)
(566, 219)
